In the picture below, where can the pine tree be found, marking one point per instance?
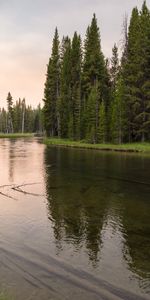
(10, 113)
(91, 128)
(136, 77)
(118, 111)
(106, 97)
(51, 91)
(76, 62)
(64, 106)
(102, 129)
(23, 106)
(143, 114)
(3, 120)
(114, 69)
(93, 64)
(93, 77)
(131, 73)
(116, 99)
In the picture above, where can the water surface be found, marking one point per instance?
(74, 224)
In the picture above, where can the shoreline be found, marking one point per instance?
(15, 135)
(66, 143)
(126, 148)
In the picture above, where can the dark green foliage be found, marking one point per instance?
(136, 77)
(85, 98)
(65, 104)
(131, 73)
(91, 126)
(114, 69)
(143, 117)
(25, 118)
(51, 91)
(75, 109)
(10, 128)
(95, 82)
(102, 129)
(93, 64)
(118, 117)
(3, 120)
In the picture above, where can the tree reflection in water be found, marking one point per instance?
(93, 201)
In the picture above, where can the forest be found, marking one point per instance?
(88, 97)
(20, 118)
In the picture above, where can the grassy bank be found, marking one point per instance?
(134, 147)
(15, 135)
(4, 296)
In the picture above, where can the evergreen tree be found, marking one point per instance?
(65, 104)
(93, 77)
(91, 100)
(116, 99)
(118, 118)
(102, 129)
(142, 117)
(114, 69)
(10, 113)
(3, 120)
(106, 98)
(93, 64)
(76, 62)
(91, 128)
(131, 72)
(51, 91)
(17, 112)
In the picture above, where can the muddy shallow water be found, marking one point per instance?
(74, 224)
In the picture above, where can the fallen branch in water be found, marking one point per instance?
(18, 189)
(8, 196)
(6, 185)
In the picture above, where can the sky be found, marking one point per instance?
(27, 29)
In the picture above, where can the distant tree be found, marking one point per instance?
(10, 113)
(3, 120)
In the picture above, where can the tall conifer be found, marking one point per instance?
(76, 63)
(51, 91)
(65, 104)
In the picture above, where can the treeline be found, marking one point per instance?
(89, 97)
(20, 118)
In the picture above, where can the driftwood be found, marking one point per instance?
(8, 196)
(18, 188)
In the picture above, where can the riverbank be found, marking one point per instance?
(5, 297)
(15, 135)
(133, 147)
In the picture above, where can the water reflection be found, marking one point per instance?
(75, 205)
(93, 203)
(80, 226)
(137, 234)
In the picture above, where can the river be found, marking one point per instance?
(74, 224)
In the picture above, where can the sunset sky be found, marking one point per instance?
(26, 33)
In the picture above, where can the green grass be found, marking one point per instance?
(15, 135)
(133, 147)
(3, 296)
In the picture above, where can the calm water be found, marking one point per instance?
(74, 224)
